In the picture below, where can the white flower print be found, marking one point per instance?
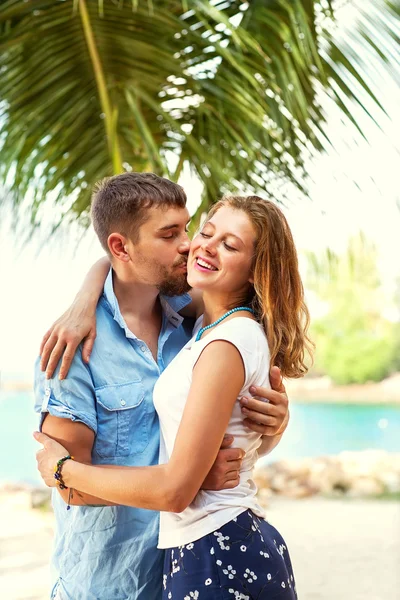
(170, 595)
(189, 546)
(269, 576)
(250, 575)
(175, 566)
(264, 554)
(219, 562)
(230, 571)
(208, 581)
(221, 539)
(164, 582)
(238, 595)
(212, 551)
(283, 584)
(281, 549)
(243, 548)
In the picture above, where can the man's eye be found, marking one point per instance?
(169, 237)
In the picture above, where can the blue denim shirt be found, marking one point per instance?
(110, 552)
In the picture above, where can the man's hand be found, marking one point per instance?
(224, 473)
(268, 418)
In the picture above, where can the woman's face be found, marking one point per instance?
(221, 255)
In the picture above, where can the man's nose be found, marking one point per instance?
(184, 246)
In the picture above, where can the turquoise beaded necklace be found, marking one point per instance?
(230, 312)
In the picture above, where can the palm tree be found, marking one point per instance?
(228, 87)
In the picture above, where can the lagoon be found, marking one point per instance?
(315, 429)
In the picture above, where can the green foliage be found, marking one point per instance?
(230, 88)
(353, 353)
(355, 342)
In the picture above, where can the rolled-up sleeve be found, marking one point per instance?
(72, 398)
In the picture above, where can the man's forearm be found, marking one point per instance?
(268, 443)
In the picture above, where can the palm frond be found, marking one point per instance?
(233, 89)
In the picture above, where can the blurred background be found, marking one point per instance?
(295, 101)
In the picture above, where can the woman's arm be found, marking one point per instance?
(76, 324)
(173, 486)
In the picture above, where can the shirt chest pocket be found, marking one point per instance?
(122, 420)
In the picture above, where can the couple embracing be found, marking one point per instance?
(151, 443)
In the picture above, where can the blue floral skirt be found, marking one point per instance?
(246, 559)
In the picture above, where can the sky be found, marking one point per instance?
(354, 188)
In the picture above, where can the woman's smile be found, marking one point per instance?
(204, 265)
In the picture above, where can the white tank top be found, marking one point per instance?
(211, 510)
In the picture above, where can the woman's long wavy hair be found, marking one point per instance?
(277, 296)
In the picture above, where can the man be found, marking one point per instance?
(103, 411)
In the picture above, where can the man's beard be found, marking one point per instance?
(173, 284)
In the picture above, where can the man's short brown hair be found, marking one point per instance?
(120, 203)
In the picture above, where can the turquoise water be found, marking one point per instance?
(315, 429)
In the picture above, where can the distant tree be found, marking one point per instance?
(355, 342)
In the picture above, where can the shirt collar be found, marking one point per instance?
(170, 306)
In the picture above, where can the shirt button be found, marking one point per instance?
(123, 402)
(47, 392)
(143, 348)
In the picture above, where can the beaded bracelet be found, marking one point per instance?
(57, 472)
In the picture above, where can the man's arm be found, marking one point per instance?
(270, 415)
(78, 439)
(269, 442)
(76, 324)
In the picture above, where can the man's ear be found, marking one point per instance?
(119, 247)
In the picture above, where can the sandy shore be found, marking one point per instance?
(321, 389)
(341, 550)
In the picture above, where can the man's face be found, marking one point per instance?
(159, 257)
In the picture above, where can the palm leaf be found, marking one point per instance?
(232, 89)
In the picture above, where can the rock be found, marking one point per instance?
(366, 486)
(367, 473)
(391, 481)
(41, 498)
(264, 496)
(300, 491)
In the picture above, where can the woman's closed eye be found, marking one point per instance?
(230, 248)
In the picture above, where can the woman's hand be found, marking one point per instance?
(64, 336)
(48, 457)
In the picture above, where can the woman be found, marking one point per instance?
(218, 543)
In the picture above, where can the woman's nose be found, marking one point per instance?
(208, 246)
